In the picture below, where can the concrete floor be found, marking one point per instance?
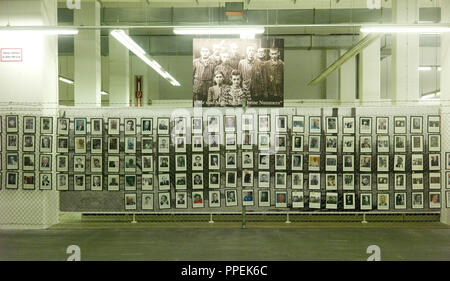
(227, 241)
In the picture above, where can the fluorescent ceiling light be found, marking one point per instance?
(126, 40)
(439, 68)
(65, 80)
(104, 93)
(43, 31)
(406, 29)
(424, 68)
(243, 31)
(431, 96)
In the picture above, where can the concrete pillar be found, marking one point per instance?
(405, 53)
(332, 82)
(347, 80)
(369, 73)
(87, 56)
(119, 73)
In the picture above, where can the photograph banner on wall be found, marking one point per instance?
(238, 72)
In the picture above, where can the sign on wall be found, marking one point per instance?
(238, 72)
(11, 55)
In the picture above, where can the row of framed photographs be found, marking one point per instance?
(298, 200)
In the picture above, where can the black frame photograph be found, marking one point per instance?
(197, 125)
(80, 126)
(129, 125)
(181, 200)
(29, 125)
(382, 125)
(163, 124)
(298, 124)
(96, 127)
(28, 143)
(146, 126)
(281, 123)
(229, 123)
(264, 123)
(315, 124)
(331, 123)
(62, 126)
(365, 125)
(348, 125)
(180, 125)
(29, 181)
(400, 124)
(434, 124)
(46, 125)
(113, 126)
(416, 125)
(12, 124)
(213, 122)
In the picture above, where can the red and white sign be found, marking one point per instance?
(11, 55)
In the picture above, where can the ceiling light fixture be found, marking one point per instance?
(126, 40)
(424, 29)
(38, 30)
(65, 80)
(244, 32)
(425, 68)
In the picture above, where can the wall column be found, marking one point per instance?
(332, 82)
(369, 73)
(347, 80)
(119, 73)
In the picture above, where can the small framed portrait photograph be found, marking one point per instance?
(45, 181)
(163, 144)
(280, 179)
(447, 196)
(147, 201)
(96, 145)
(331, 163)
(331, 181)
(113, 182)
(297, 180)
(214, 142)
(331, 125)
(399, 144)
(349, 201)
(348, 144)
(79, 163)
(12, 161)
(96, 164)
(80, 126)
(62, 126)
(434, 162)
(46, 144)
(264, 179)
(96, 182)
(314, 200)
(348, 125)
(264, 123)
(62, 182)
(180, 126)
(280, 161)
(416, 143)
(365, 181)
(130, 163)
(348, 181)
(130, 126)
(297, 162)
(247, 159)
(231, 197)
(416, 124)
(163, 125)
(197, 143)
(164, 181)
(434, 124)
(197, 125)
(366, 201)
(331, 144)
(12, 142)
(247, 197)
(298, 124)
(434, 143)
(80, 144)
(365, 125)
(247, 122)
(247, 178)
(399, 200)
(348, 163)
(197, 199)
(263, 161)
(382, 125)
(281, 123)
(45, 162)
(147, 182)
(382, 163)
(214, 161)
(12, 124)
(28, 143)
(180, 181)
(365, 144)
(383, 144)
(447, 160)
(130, 201)
(180, 144)
(417, 200)
(62, 163)
(435, 199)
(298, 199)
(164, 200)
(314, 162)
(147, 126)
(280, 142)
(163, 163)
(96, 126)
(399, 162)
(197, 162)
(197, 180)
(417, 181)
(213, 123)
(280, 199)
(79, 182)
(230, 142)
(113, 164)
(263, 141)
(264, 198)
(29, 125)
(247, 140)
(230, 180)
(315, 126)
(434, 180)
(147, 145)
(113, 126)
(230, 123)
(180, 162)
(400, 181)
(147, 163)
(383, 201)
(130, 182)
(314, 143)
(181, 200)
(417, 162)
(400, 125)
(12, 180)
(28, 161)
(365, 163)
(314, 181)
(383, 181)
(297, 143)
(331, 200)
(113, 145)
